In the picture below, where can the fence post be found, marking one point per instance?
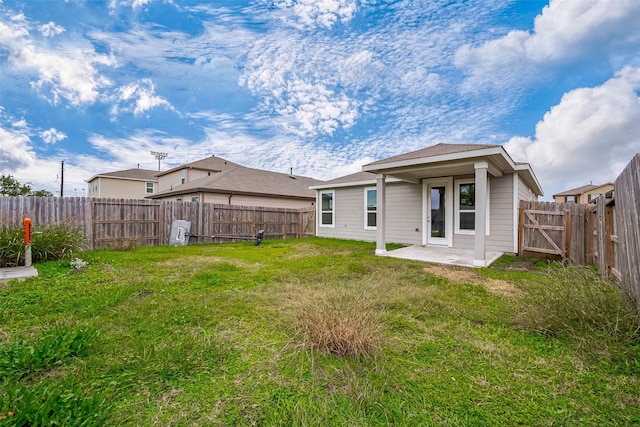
(567, 236)
(608, 228)
(520, 230)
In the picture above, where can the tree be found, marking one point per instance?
(9, 186)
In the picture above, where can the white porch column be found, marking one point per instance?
(479, 256)
(381, 215)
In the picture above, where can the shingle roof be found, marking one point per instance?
(213, 164)
(139, 174)
(434, 150)
(354, 177)
(240, 179)
(584, 189)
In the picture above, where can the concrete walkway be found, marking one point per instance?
(10, 273)
(440, 255)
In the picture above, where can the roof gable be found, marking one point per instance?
(133, 174)
(432, 151)
(212, 164)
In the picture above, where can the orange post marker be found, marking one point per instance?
(27, 231)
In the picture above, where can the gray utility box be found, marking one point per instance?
(180, 231)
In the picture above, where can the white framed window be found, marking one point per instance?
(327, 208)
(465, 207)
(195, 199)
(570, 199)
(370, 208)
(183, 176)
(148, 187)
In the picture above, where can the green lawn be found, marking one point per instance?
(223, 335)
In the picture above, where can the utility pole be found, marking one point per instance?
(62, 180)
(159, 156)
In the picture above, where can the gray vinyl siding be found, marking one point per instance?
(500, 218)
(404, 214)
(348, 217)
(524, 192)
(501, 214)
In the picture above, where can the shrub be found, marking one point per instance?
(11, 246)
(48, 243)
(343, 321)
(56, 241)
(574, 302)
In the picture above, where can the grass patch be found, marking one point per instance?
(311, 332)
(575, 303)
(344, 321)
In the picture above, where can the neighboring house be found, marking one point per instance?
(216, 180)
(455, 195)
(584, 194)
(125, 184)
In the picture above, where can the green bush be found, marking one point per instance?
(51, 242)
(11, 246)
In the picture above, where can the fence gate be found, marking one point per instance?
(544, 229)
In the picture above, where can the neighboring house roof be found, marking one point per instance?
(239, 179)
(209, 164)
(440, 160)
(130, 174)
(581, 190)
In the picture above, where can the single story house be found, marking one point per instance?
(216, 180)
(453, 195)
(125, 184)
(584, 194)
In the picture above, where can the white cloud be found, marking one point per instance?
(323, 13)
(135, 4)
(138, 98)
(69, 72)
(51, 29)
(303, 94)
(52, 136)
(15, 149)
(589, 136)
(564, 31)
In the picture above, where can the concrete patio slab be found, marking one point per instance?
(440, 255)
(10, 273)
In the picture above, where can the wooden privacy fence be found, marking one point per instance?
(606, 233)
(622, 217)
(110, 222)
(552, 229)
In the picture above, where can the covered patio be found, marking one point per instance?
(441, 255)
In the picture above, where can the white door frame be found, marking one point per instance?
(427, 184)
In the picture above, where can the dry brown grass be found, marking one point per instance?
(500, 287)
(343, 321)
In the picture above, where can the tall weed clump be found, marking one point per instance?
(574, 302)
(11, 246)
(51, 242)
(342, 321)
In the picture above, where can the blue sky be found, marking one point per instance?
(320, 86)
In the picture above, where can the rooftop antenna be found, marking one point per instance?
(159, 156)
